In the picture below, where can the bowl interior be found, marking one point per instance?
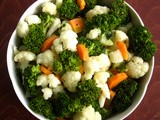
(34, 8)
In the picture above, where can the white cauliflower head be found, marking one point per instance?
(87, 113)
(69, 40)
(53, 81)
(96, 64)
(50, 8)
(70, 80)
(101, 77)
(95, 11)
(90, 67)
(24, 57)
(46, 58)
(59, 3)
(66, 26)
(94, 33)
(116, 56)
(103, 61)
(55, 25)
(137, 67)
(57, 46)
(42, 80)
(22, 29)
(58, 89)
(47, 93)
(45, 80)
(32, 19)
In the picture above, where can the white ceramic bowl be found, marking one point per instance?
(33, 9)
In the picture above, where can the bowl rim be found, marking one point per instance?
(21, 95)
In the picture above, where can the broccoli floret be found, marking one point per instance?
(68, 61)
(41, 106)
(69, 9)
(30, 76)
(87, 92)
(140, 42)
(117, 16)
(67, 104)
(37, 33)
(124, 94)
(94, 46)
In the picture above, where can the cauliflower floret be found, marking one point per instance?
(53, 81)
(50, 8)
(116, 56)
(58, 89)
(32, 19)
(101, 77)
(90, 67)
(24, 57)
(66, 26)
(57, 46)
(103, 61)
(42, 80)
(66, 41)
(121, 36)
(96, 64)
(55, 25)
(46, 58)
(95, 11)
(137, 67)
(69, 40)
(22, 29)
(87, 113)
(47, 93)
(70, 80)
(94, 33)
(59, 3)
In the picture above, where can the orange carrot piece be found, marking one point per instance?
(81, 4)
(82, 69)
(108, 101)
(77, 24)
(116, 79)
(45, 70)
(123, 49)
(83, 52)
(48, 43)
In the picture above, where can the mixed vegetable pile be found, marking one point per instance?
(78, 59)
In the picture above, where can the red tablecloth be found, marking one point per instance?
(10, 106)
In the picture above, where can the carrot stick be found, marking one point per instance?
(48, 43)
(81, 4)
(123, 49)
(77, 24)
(45, 70)
(82, 69)
(83, 52)
(116, 79)
(108, 101)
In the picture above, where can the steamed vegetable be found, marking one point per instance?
(140, 42)
(37, 33)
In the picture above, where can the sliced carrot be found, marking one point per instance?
(77, 24)
(48, 43)
(45, 70)
(82, 69)
(116, 79)
(81, 4)
(57, 76)
(83, 52)
(123, 49)
(108, 101)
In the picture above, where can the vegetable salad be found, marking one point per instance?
(78, 59)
